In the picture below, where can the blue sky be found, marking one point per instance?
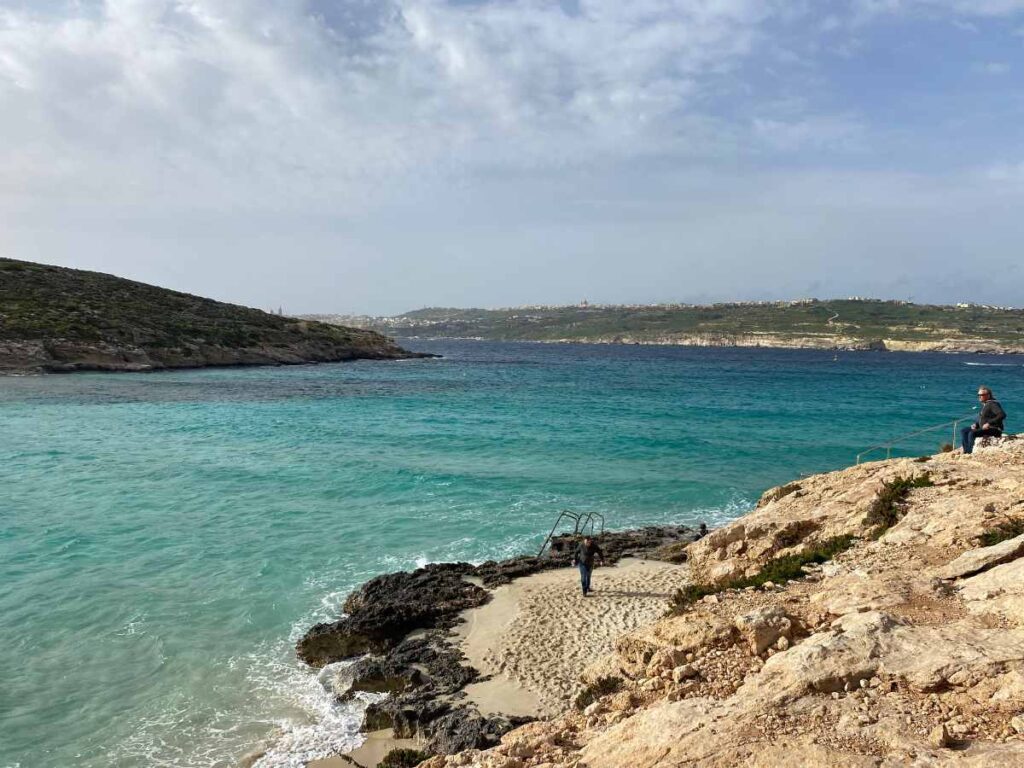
(382, 155)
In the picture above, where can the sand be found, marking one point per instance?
(372, 751)
(539, 632)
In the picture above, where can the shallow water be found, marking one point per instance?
(164, 538)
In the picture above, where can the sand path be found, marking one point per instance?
(538, 634)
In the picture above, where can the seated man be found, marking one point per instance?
(989, 423)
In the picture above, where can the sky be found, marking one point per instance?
(377, 156)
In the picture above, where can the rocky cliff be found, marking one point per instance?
(54, 319)
(868, 617)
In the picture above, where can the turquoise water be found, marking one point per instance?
(164, 538)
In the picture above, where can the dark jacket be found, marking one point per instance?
(992, 413)
(585, 554)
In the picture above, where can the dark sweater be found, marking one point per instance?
(586, 554)
(992, 413)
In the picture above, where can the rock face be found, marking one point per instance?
(872, 659)
(62, 320)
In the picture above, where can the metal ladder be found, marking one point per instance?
(580, 522)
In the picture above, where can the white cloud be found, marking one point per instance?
(1005, 172)
(991, 67)
(820, 132)
(165, 95)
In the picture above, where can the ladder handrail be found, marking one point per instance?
(565, 513)
(888, 446)
(581, 521)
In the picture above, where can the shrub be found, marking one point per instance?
(600, 687)
(889, 506)
(403, 758)
(1010, 528)
(778, 571)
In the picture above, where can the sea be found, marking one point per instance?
(166, 537)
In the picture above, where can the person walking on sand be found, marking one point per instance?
(989, 423)
(584, 560)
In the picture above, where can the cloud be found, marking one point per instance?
(811, 133)
(991, 67)
(160, 95)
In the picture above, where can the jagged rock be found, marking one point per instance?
(939, 737)
(696, 630)
(776, 493)
(465, 728)
(387, 608)
(762, 628)
(977, 560)
(853, 592)
(684, 672)
(998, 592)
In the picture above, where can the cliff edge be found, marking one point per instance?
(868, 617)
(54, 319)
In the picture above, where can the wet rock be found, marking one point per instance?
(387, 608)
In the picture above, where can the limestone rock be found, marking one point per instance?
(977, 560)
(763, 627)
(939, 737)
(998, 592)
(684, 672)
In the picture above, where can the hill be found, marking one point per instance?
(54, 319)
(832, 324)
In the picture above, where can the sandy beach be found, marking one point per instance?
(539, 632)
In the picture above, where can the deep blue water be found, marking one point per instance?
(164, 538)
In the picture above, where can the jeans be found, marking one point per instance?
(969, 435)
(585, 577)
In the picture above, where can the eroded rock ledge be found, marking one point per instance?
(905, 649)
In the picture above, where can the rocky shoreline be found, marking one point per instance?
(867, 618)
(70, 356)
(398, 625)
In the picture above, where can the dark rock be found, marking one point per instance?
(465, 728)
(387, 608)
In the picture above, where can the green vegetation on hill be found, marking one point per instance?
(52, 318)
(855, 323)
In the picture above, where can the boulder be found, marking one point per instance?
(762, 628)
(977, 560)
(998, 592)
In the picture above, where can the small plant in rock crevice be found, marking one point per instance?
(778, 571)
(1010, 528)
(603, 686)
(889, 506)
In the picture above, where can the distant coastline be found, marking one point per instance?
(841, 325)
(978, 347)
